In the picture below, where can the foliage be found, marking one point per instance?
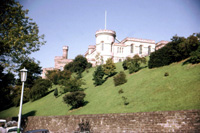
(56, 76)
(34, 71)
(18, 33)
(98, 59)
(166, 74)
(125, 100)
(84, 127)
(56, 92)
(98, 76)
(75, 99)
(39, 89)
(73, 84)
(135, 62)
(109, 67)
(120, 91)
(178, 49)
(17, 95)
(7, 81)
(78, 65)
(195, 56)
(125, 63)
(120, 78)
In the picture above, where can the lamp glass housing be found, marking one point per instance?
(23, 74)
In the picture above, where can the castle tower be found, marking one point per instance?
(104, 43)
(65, 52)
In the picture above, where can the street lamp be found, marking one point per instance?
(23, 79)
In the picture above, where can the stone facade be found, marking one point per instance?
(145, 122)
(106, 47)
(60, 62)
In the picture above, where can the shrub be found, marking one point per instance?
(56, 92)
(125, 63)
(120, 78)
(135, 62)
(195, 56)
(98, 76)
(166, 74)
(40, 88)
(109, 67)
(125, 100)
(75, 99)
(120, 91)
(72, 85)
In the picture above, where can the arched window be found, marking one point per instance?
(149, 50)
(102, 45)
(111, 47)
(132, 48)
(117, 49)
(122, 50)
(140, 52)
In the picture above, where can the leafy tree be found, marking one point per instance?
(56, 92)
(75, 99)
(98, 76)
(195, 56)
(34, 71)
(7, 81)
(120, 78)
(73, 84)
(18, 33)
(125, 63)
(109, 67)
(40, 88)
(134, 64)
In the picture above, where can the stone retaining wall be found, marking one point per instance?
(168, 121)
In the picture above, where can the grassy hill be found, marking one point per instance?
(146, 91)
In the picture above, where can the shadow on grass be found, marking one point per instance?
(186, 62)
(31, 113)
(85, 103)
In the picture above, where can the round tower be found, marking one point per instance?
(104, 41)
(65, 52)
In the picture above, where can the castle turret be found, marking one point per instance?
(65, 52)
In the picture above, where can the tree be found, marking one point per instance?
(120, 78)
(34, 71)
(7, 81)
(109, 67)
(18, 34)
(56, 92)
(134, 64)
(75, 99)
(98, 76)
(40, 89)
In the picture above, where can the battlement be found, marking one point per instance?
(108, 32)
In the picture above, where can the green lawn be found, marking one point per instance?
(146, 91)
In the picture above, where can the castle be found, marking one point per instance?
(60, 62)
(106, 47)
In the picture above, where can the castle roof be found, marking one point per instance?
(119, 44)
(137, 40)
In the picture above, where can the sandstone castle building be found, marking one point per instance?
(107, 46)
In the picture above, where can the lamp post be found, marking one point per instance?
(23, 79)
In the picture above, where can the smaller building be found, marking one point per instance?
(161, 44)
(60, 62)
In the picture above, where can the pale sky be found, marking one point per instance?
(74, 22)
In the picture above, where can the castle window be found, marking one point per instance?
(122, 50)
(117, 49)
(140, 52)
(111, 47)
(132, 48)
(149, 50)
(102, 43)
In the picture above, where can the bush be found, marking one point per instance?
(75, 99)
(120, 91)
(125, 100)
(135, 62)
(40, 88)
(56, 92)
(125, 63)
(166, 74)
(98, 76)
(109, 67)
(120, 78)
(195, 56)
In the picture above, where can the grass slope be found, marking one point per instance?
(147, 90)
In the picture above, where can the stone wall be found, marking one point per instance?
(168, 121)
